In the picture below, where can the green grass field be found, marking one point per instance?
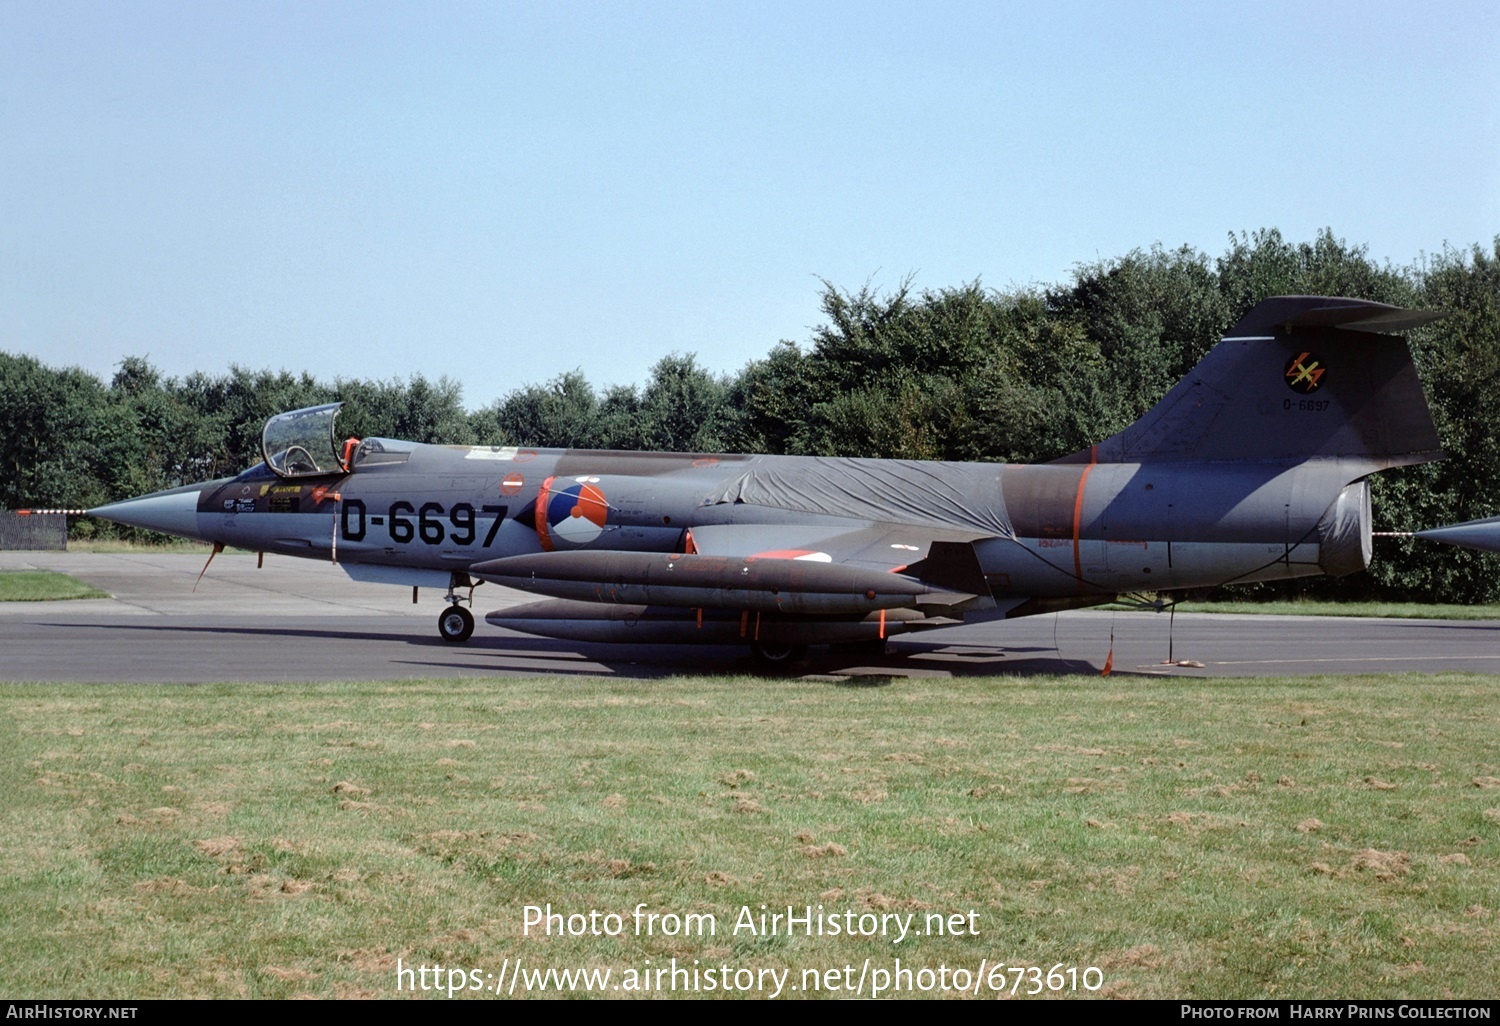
(1388, 610)
(43, 586)
(160, 543)
(1330, 837)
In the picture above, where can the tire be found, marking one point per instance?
(777, 657)
(455, 625)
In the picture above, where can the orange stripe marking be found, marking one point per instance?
(1078, 512)
(539, 517)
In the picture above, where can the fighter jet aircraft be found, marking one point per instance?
(1254, 467)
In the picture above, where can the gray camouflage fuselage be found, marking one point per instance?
(1253, 468)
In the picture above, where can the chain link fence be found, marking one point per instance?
(33, 531)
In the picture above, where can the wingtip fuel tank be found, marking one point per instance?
(792, 587)
(1483, 535)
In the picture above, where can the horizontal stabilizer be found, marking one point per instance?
(1291, 313)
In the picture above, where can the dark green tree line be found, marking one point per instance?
(964, 373)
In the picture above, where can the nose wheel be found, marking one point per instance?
(455, 624)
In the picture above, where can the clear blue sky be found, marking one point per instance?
(501, 192)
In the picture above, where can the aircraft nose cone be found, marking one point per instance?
(170, 512)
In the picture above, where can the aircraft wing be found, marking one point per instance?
(876, 546)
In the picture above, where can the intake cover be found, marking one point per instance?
(1344, 531)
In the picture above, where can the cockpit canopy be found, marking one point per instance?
(303, 443)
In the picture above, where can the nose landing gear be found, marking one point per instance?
(456, 623)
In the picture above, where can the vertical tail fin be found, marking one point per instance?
(1298, 377)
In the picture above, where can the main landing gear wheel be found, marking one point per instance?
(776, 656)
(455, 624)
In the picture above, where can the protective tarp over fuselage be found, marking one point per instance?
(942, 494)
